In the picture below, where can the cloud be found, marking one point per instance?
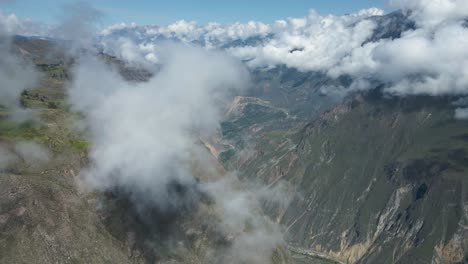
(16, 74)
(78, 25)
(32, 153)
(209, 35)
(138, 44)
(130, 52)
(428, 57)
(313, 42)
(240, 210)
(143, 132)
(145, 140)
(428, 13)
(11, 24)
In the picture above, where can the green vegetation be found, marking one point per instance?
(41, 98)
(55, 71)
(24, 130)
(225, 156)
(79, 145)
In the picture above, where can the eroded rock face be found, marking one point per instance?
(374, 180)
(452, 252)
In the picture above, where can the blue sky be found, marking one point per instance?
(203, 11)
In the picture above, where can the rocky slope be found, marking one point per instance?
(373, 180)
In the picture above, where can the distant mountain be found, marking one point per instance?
(391, 26)
(388, 26)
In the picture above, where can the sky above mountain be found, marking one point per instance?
(166, 12)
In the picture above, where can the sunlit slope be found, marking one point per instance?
(377, 180)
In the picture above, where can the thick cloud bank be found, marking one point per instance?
(434, 12)
(428, 57)
(293, 41)
(143, 133)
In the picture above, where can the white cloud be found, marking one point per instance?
(11, 24)
(127, 50)
(428, 13)
(145, 138)
(423, 61)
(143, 133)
(313, 42)
(115, 27)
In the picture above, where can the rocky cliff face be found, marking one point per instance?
(373, 180)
